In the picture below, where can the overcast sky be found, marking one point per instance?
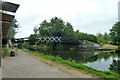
(89, 16)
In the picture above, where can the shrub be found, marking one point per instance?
(25, 45)
(4, 51)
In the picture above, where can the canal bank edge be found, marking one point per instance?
(58, 60)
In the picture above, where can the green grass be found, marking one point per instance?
(102, 74)
(5, 52)
(111, 51)
(109, 47)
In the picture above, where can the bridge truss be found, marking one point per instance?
(49, 39)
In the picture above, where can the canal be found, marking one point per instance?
(96, 59)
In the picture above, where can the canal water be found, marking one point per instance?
(95, 59)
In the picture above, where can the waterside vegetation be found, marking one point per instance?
(5, 52)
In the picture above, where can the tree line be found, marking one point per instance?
(57, 27)
(113, 37)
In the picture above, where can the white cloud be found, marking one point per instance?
(90, 16)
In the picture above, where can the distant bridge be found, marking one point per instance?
(66, 40)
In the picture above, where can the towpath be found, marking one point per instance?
(26, 66)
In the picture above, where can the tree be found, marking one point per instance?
(92, 38)
(100, 38)
(56, 27)
(36, 30)
(76, 34)
(115, 33)
(12, 30)
(44, 29)
(69, 29)
(25, 45)
(103, 38)
(114, 67)
(106, 37)
(32, 39)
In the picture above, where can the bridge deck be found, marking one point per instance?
(64, 40)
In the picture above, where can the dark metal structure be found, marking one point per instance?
(11, 7)
(5, 20)
(64, 40)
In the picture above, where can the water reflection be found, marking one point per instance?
(91, 58)
(115, 66)
(101, 64)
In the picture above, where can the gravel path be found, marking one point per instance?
(25, 66)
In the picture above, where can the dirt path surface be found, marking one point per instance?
(25, 66)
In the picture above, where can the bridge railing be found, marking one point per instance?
(50, 39)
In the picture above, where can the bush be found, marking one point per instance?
(25, 45)
(4, 51)
(41, 53)
(118, 49)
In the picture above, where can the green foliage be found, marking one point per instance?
(4, 51)
(92, 38)
(25, 45)
(41, 53)
(103, 38)
(35, 29)
(13, 29)
(115, 33)
(57, 27)
(117, 49)
(32, 39)
(85, 36)
(4, 41)
(114, 67)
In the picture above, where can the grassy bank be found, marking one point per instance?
(6, 51)
(108, 46)
(102, 74)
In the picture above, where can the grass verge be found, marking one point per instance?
(102, 74)
(108, 46)
(111, 51)
(5, 52)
